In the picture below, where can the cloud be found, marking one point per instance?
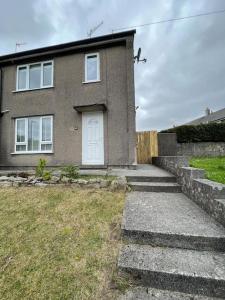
(185, 69)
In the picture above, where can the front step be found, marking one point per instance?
(181, 270)
(143, 293)
(170, 220)
(151, 178)
(156, 187)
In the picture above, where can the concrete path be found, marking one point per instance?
(172, 245)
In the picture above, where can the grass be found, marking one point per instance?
(214, 167)
(59, 243)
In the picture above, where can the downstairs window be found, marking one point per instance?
(34, 134)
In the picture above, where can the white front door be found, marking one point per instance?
(92, 138)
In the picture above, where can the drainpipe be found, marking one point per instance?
(1, 87)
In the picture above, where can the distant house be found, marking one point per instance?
(217, 116)
(71, 103)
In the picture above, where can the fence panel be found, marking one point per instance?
(147, 146)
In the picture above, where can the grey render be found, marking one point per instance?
(217, 116)
(115, 91)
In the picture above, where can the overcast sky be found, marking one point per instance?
(185, 71)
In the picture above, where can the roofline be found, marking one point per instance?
(214, 116)
(103, 41)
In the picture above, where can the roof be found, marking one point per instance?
(218, 115)
(67, 48)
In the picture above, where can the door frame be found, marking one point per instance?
(101, 118)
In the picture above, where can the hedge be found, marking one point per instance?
(211, 132)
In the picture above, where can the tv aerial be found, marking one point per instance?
(92, 30)
(137, 57)
(18, 45)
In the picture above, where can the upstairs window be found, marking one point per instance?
(92, 67)
(35, 76)
(34, 134)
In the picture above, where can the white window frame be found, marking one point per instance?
(27, 66)
(98, 67)
(40, 136)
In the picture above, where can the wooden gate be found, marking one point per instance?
(147, 146)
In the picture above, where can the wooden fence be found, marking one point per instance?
(147, 146)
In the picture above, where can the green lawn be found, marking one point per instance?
(59, 243)
(215, 167)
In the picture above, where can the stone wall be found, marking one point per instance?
(170, 163)
(201, 149)
(209, 195)
(168, 146)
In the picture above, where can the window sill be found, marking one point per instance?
(37, 89)
(34, 152)
(91, 81)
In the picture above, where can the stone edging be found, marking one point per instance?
(208, 194)
(118, 183)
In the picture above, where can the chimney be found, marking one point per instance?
(207, 111)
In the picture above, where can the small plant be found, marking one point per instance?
(39, 172)
(70, 171)
(47, 175)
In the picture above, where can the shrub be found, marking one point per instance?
(70, 171)
(211, 132)
(39, 172)
(47, 175)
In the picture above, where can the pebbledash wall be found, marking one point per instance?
(115, 91)
(209, 195)
(168, 146)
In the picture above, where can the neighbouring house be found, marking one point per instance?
(217, 116)
(71, 103)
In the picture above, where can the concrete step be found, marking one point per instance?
(170, 220)
(157, 187)
(188, 271)
(143, 293)
(151, 178)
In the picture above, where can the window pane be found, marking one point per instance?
(46, 129)
(46, 147)
(47, 74)
(35, 76)
(22, 77)
(33, 134)
(92, 66)
(20, 147)
(20, 135)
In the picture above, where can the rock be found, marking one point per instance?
(41, 184)
(54, 179)
(93, 185)
(39, 178)
(4, 178)
(5, 183)
(30, 179)
(65, 179)
(104, 183)
(94, 180)
(82, 181)
(119, 183)
(18, 179)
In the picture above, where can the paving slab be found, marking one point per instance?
(141, 170)
(172, 220)
(142, 293)
(180, 270)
